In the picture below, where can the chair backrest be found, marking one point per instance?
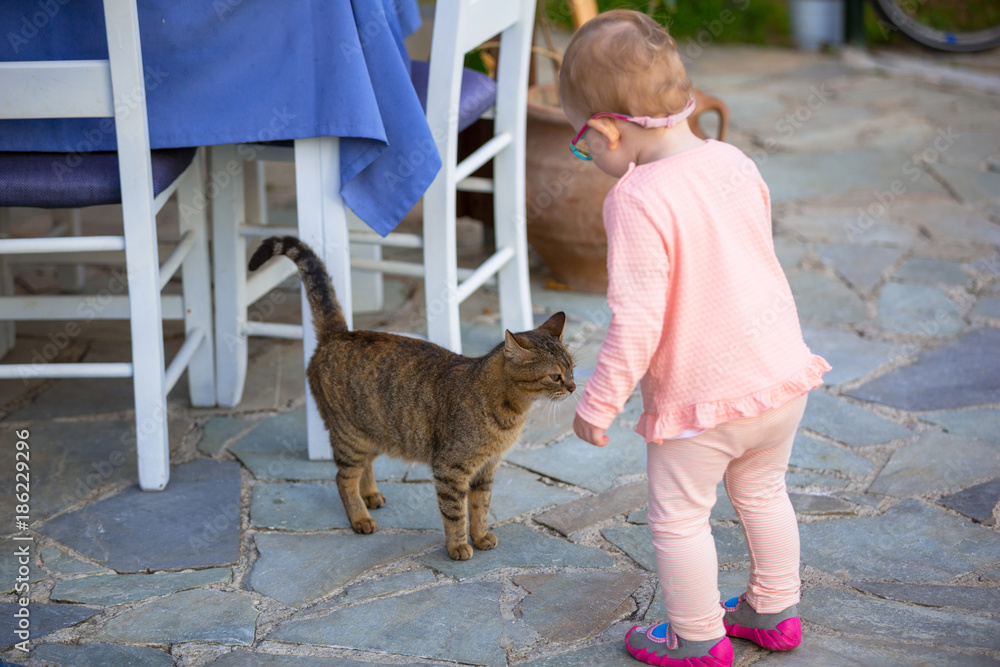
(112, 88)
(460, 26)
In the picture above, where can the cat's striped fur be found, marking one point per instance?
(381, 393)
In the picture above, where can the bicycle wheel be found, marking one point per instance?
(945, 25)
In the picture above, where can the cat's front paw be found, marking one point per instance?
(486, 542)
(365, 525)
(460, 551)
(375, 500)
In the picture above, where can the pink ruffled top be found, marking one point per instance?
(702, 313)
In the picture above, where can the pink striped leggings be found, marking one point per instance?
(752, 454)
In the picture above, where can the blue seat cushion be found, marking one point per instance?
(479, 92)
(72, 180)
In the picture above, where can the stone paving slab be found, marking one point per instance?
(218, 431)
(824, 651)
(74, 397)
(971, 186)
(824, 175)
(917, 310)
(969, 598)
(56, 561)
(111, 589)
(45, 619)
(134, 531)
(10, 564)
(809, 480)
(978, 502)
(851, 356)
(198, 615)
(948, 221)
(964, 372)
(982, 424)
(101, 655)
(807, 503)
(518, 546)
(790, 252)
(929, 271)
(937, 462)
(275, 377)
(845, 225)
(388, 469)
(722, 510)
(459, 622)
(809, 453)
(861, 266)
(611, 654)
(824, 300)
(391, 583)
(904, 543)
(852, 613)
(576, 462)
(244, 659)
(578, 514)
(298, 506)
(103, 453)
(637, 542)
(987, 306)
(276, 449)
(296, 569)
(565, 608)
(847, 423)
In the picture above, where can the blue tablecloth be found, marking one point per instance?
(234, 71)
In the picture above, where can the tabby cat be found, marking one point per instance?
(380, 393)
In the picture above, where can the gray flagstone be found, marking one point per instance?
(458, 622)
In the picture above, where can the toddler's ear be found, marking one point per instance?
(608, 131)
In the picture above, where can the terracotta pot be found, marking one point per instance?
(565, 198)
(565, 195)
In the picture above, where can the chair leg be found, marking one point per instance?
(508, 201)
(366, 286)
(323, 226)
(229, 251)
(70, 276)
(255, 189)
(196, 275)
(7, 329)
(441, 266)
(146, 320)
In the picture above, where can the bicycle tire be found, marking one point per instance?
(941, 40)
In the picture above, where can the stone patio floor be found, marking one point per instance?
(886, 208)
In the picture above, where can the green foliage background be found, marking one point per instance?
(763, 22)
(749, 21)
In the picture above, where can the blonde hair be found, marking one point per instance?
(623, 61)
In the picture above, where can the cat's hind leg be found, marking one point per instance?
(369, 490)
(351, 467)
(479, 505)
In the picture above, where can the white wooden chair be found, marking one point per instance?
(325, 223)
(142, 181)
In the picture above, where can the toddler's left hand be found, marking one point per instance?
(588, 432)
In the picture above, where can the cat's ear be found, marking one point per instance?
(554, 325)
(512, 350)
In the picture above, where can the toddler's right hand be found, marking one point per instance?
(588, 432)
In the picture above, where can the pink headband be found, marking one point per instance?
(668, 121)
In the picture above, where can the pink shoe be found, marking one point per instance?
(659, 645)
(778, 632)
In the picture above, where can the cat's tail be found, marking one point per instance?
(328, 318)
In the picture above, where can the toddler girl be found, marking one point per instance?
(703, 315)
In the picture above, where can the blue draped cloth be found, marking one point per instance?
(235, 71)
